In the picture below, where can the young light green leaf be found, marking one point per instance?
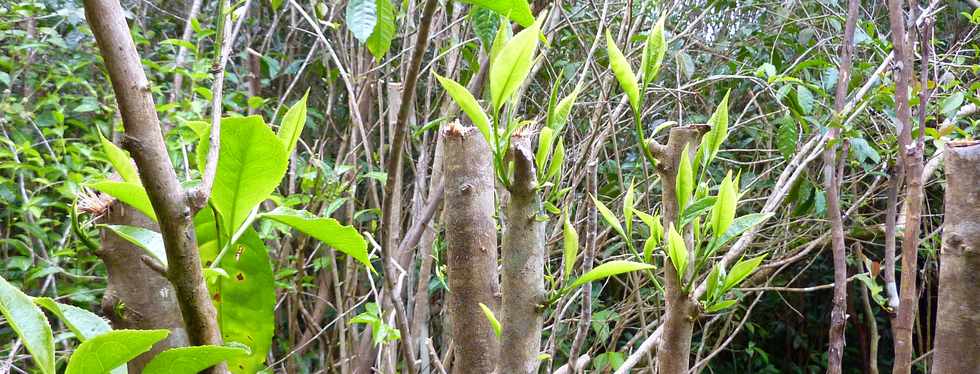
(27, 320)
(628, 205)
(384, 30)
(191, 360)
(494, 323)
(723, 213)
(609, 217)
(570, 241)
(685, 180)
(504, 34)
(649, 246)
(120, 161)
(517, 10)
(556, 160)
(132, 194)
(512, 65)
(607, 270)
(345, 239)
(362, 16)
(545, 140)
(677, 251)
(112, 349)
(721, 305)
(293, 123)
(719, 130)
(149, 240)
(653, 51)
(715, 281)
(562, 110)
(623, 72)
(740, 271)
(468, 104)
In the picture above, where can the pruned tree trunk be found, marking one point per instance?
(958, 323)
(145, 142)
(137, 296)
(673, 356)
(471, 247)
(523, 257)
(838, 314)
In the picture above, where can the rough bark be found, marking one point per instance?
(136, 296)
(523, 257)
(958, 323)
(471, 246)
(912, 158)
(145, 142)
(674, 353)
(838, 315)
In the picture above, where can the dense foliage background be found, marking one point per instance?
(776, 58)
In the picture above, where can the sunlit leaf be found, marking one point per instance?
(570, 241)
(131, 194)
(653, 51)
(27, 320)
(742, 270)
(677, 251)
(191, 360)
(623, 72)
(517, 10)
(723, 213)
(609, 217)
(293, 123)
(120, 161)
(109, 350)
(331, 232)
(469, 105)
(149, 240)
(609, 269)
(513, 64)
(494, 323)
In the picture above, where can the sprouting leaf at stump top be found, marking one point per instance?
(742, 270)
(345, 239)
(107, 351)
(30, 324)
(513, 64)
(723, 212)
(468, 104)
(609, 217)
(191, 360)
(719, 131)
(685, 180)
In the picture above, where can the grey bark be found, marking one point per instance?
(471, 247)
(523, 260)
(958, 323)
